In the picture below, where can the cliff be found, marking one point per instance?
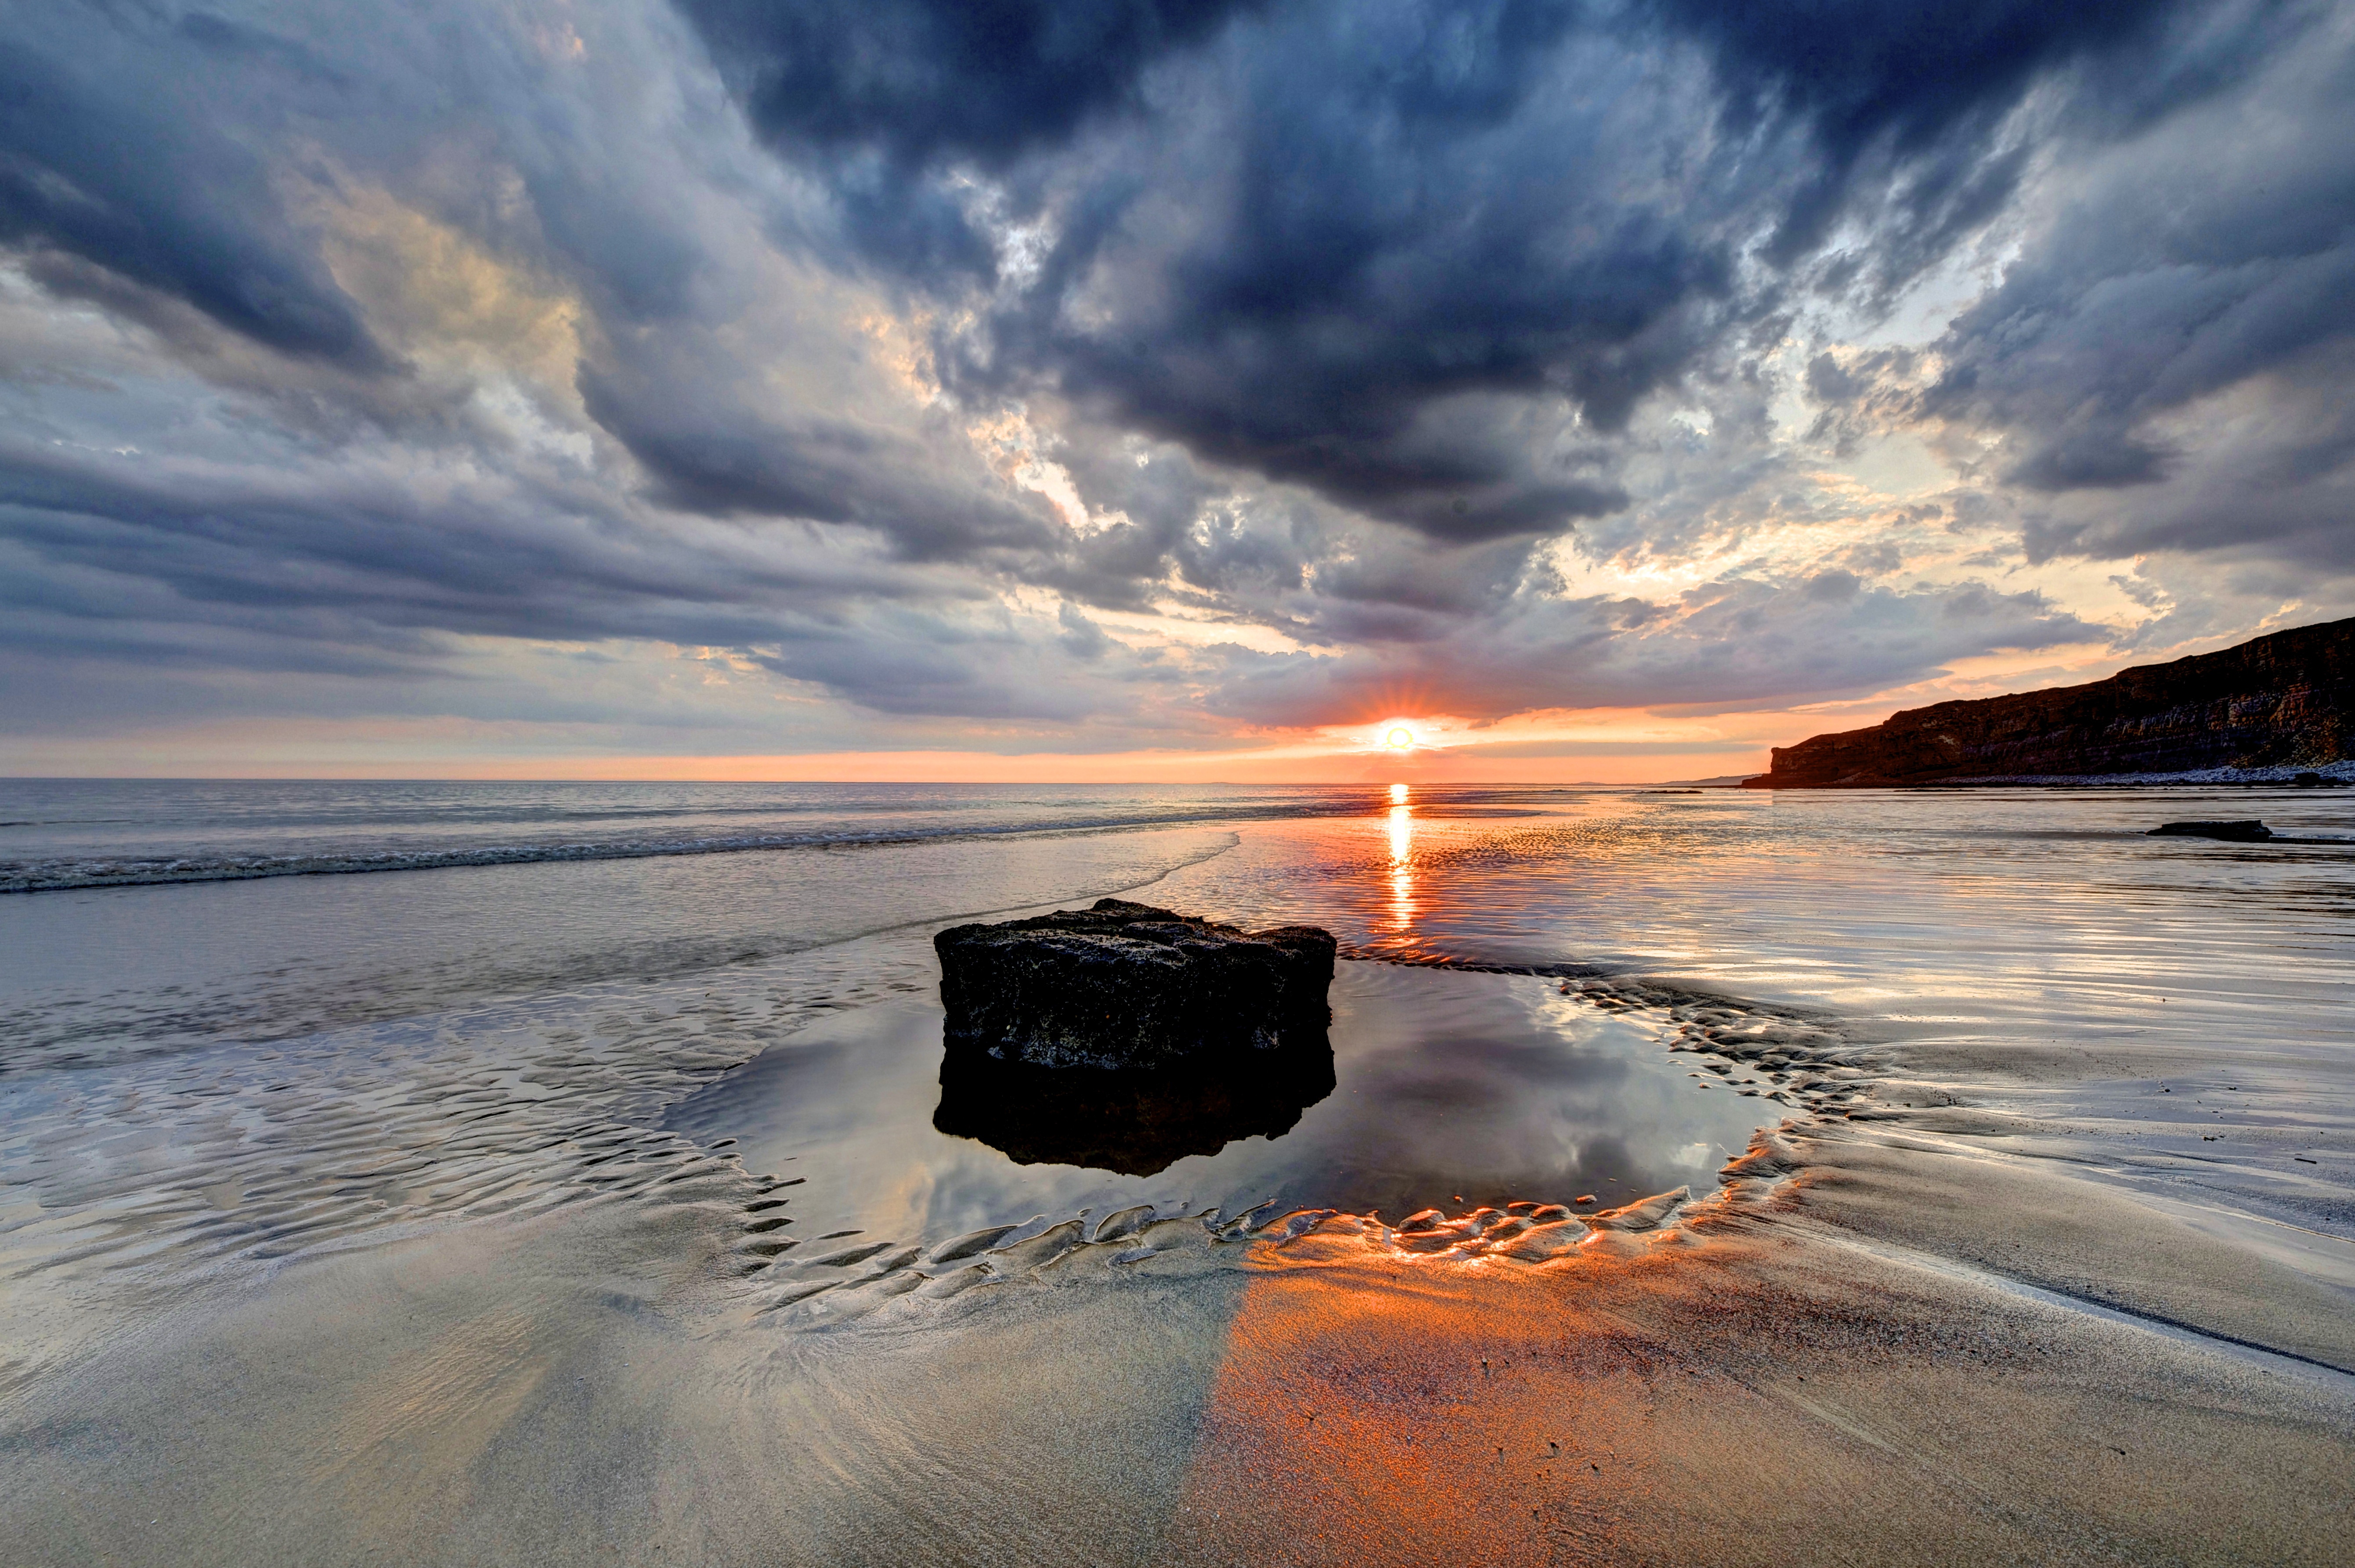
(2286, 699)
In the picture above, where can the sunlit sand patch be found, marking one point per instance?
(1742, 1395)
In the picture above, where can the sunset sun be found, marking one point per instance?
(1398, 739)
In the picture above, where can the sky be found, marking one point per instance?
(1177, 391)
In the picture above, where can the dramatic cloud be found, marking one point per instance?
(1010, 374)
(117, 163)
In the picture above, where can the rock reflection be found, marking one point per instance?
(1133, 1123)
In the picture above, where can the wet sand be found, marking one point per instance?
(1836, 1350)
(1755, 1394)
(1740, 1388)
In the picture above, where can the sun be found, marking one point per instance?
(1399, 738)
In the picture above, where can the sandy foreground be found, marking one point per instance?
(1811, 1365)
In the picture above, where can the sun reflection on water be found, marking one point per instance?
(1401, 830)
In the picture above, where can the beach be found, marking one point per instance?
(549, 1173)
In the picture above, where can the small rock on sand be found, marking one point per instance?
(2231, 832)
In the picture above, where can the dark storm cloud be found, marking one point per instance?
(152, 140)
(2210, 257)
(712, 450)
(1393, 255)
(155, 167)
(1291, 235)
(2159, 290)
(1924, 82)
(107, 157)
(363, 558)
(111, 559)
(913, 80)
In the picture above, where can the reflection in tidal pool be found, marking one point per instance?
(1450, 1090)
(1136, 1123)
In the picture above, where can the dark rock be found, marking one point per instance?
(1128, 985)
(2231, 832)
(2282, 699)
(1125, 1037)
(1135, 1121)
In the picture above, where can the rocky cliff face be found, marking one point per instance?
(2281, 700)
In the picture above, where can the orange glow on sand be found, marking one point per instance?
(1352, 1398)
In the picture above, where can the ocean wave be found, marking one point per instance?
(68, 874)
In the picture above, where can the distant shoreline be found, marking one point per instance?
(2336, 775)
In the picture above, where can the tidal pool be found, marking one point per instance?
(1449, 1090)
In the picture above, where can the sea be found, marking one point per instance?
(667, 1057)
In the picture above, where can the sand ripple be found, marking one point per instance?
(257, 1153)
